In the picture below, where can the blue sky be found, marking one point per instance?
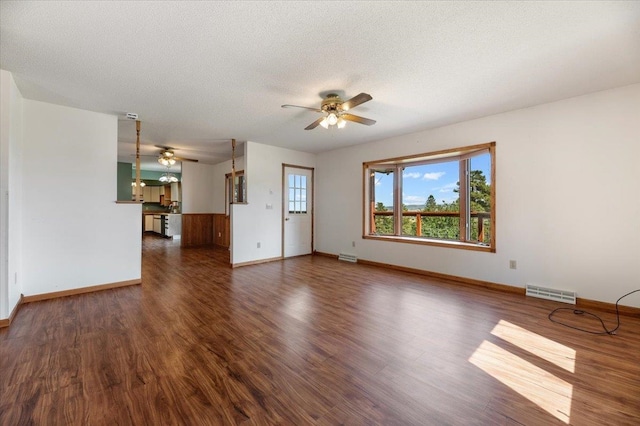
(419, 182)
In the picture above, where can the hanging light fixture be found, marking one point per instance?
(166, 158)
(168, 177)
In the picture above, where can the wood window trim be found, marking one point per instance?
(461, 153)
(227, 177)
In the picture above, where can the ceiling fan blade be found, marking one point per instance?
(355, 101)
(185, 159)
(297, 106)
(358, 119)
(314, 124)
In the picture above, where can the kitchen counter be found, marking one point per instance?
(163, 223)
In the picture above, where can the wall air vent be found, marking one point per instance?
(348, 257)
(551, 294)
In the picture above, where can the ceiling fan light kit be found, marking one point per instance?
(335, 111)
(167, 158)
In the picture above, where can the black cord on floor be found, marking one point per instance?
(581, 312)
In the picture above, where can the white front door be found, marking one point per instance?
(298, 211)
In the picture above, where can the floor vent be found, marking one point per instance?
(551, 294)
(348, 257)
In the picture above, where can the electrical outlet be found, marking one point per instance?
(513, 264)
(353, 243)
(258, 244)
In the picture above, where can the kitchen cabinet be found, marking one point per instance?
(157, 223)
(155, 195)
(176, 193)
(173, 225)
(167, 195)
(148, 222)
(146, 193)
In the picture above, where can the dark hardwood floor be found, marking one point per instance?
(308, 340)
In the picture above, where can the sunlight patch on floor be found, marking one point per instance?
(537, 385)
(300, 304)
(556, 353)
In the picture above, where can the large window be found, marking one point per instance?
(439, 198)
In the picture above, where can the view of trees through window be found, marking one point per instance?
(431, 203)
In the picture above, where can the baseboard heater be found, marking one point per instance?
(348, 257)
(551, 294)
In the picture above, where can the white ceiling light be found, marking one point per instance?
(166, 158)
(168, 178)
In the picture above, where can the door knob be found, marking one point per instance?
(286, 218)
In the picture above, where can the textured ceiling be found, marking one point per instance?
(199, 73)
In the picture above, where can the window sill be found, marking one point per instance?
(429, 242)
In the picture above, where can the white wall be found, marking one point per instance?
(253, 222)
(219, 176)
(197, 188)
(74, 235)
(567, 197)
(10, 194)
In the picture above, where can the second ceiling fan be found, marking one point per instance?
(167, 156)
(335, 111)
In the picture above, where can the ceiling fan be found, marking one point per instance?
(335, 113)
(167, 156)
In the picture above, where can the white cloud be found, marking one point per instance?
(448, 187)
(412, 175)
(414, 199)
(433, 175)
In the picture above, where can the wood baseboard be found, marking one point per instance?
(581, 302)
(82, 290)
(446, 277)
(320, 253)
(628, 311)
(256, 262)
(7, 321)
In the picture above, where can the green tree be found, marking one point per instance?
(408, 223)
(480, 197)
(440, 226)
(431, 205)
(480, 194)
(384, 224)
